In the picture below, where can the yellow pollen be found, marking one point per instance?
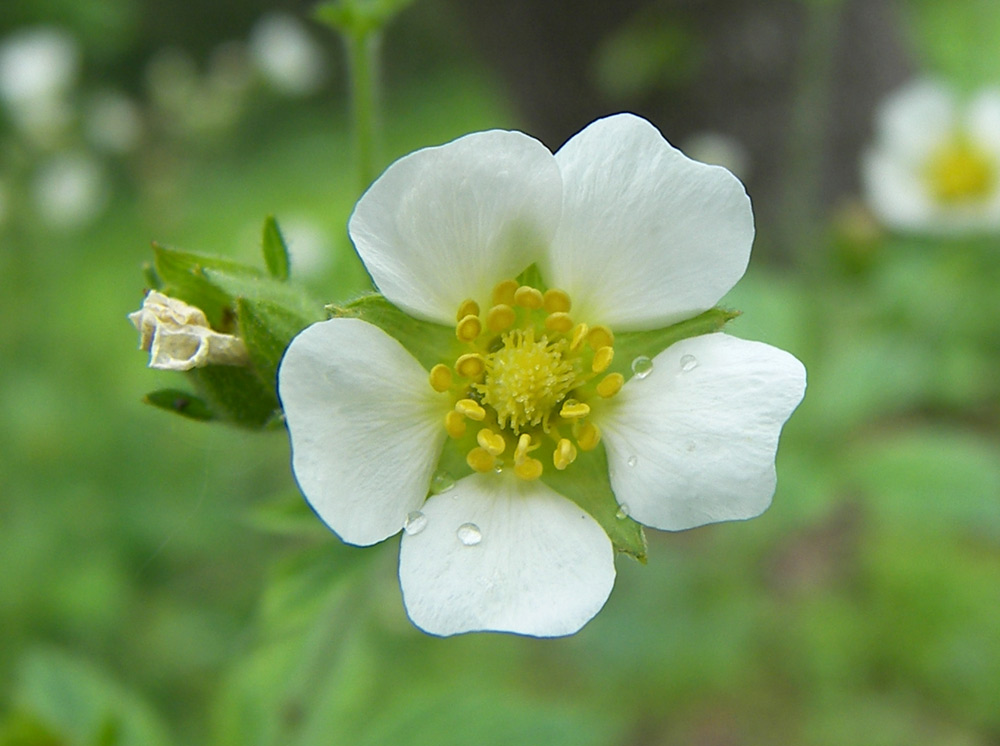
(500, 317)
(468, 308)
(588, 435)
(454, 424)
(610, 385)
(602, 359)
(528, 297)
(959, 172)
(471, 409)
(440, 377)
(529, 469)
(503, 293)
(470, 366)
(556, 301)
(580, 333)
(600, 336)
(468, 328)
(564, 455)
(480, 460)
(559, 322)
(574, 410)
(491, 441)
(526, 379)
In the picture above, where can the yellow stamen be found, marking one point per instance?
(523, 448)
(440, 377)
(500, 317)
(564, 455)
(559, 322)
(529, 469)
(960, 172)
(528, 297)
(468, 308)
(470, 366)
(588, 435)
(610, 385)
(602, 359)
(503, 293)
(556, 301)
(468, 328)
(480, 460)
(491, 441)
(454, 424)
(574, 410)
(600, 336)
(471, 409)
(580, 333)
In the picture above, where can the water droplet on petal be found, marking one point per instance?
(632, 460)
(688, 362)
(469, 534)
(415, 523)
(642, 366)
(622, 513)
(442, 481)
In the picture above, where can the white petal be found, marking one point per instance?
(365, 425)
(898, 192)
(543, 566)
(648, 237)
(915, 120)
(447, 223)
(694, 442)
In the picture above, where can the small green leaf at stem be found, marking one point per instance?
(275, 249)
(181, 402)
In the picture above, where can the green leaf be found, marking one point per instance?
(630, 345)
(428, 342)
(293, 299)
(275, 250)
(237, 395)
(267, 329)
(587, 484)
(181, 402)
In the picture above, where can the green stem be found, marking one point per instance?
(362, 53)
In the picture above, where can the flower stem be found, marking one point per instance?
(363, 53)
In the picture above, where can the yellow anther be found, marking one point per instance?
(588, 435)
(528, 297)
(558, 321)
(523, 448)
(529, 469)
(440, 377)
(574, 410)
(470, 408)
(503, 293)
(580, 332)
(470, 366)
(600, 336)
(481, 460)
(468, 308)
(556, 301)
(490, 441)
(454, 424)
(468, 328)
(500, 317)
(564, 455)
(611, 384)
(602, 359)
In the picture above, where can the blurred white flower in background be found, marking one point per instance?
(38, 68)
(70, 190)
(310, 246)
(718, 149)
(113, 122)
(935, 162)
(286, 55)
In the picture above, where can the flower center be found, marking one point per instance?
(526, 380)
(960, 172)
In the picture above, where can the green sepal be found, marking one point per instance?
(266, 329)
(237, 395)
(586, 482)
(182, 403)
(275, 249)
(630, 345)
(428, 342)
(358, 17)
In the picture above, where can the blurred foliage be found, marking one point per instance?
(164, 583)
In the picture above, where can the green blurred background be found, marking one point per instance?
(159, 580)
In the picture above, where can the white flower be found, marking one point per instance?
(287, 55)
(935, 163)
(178, 337)
(70, 189)
(628, 234)
(36, 64)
